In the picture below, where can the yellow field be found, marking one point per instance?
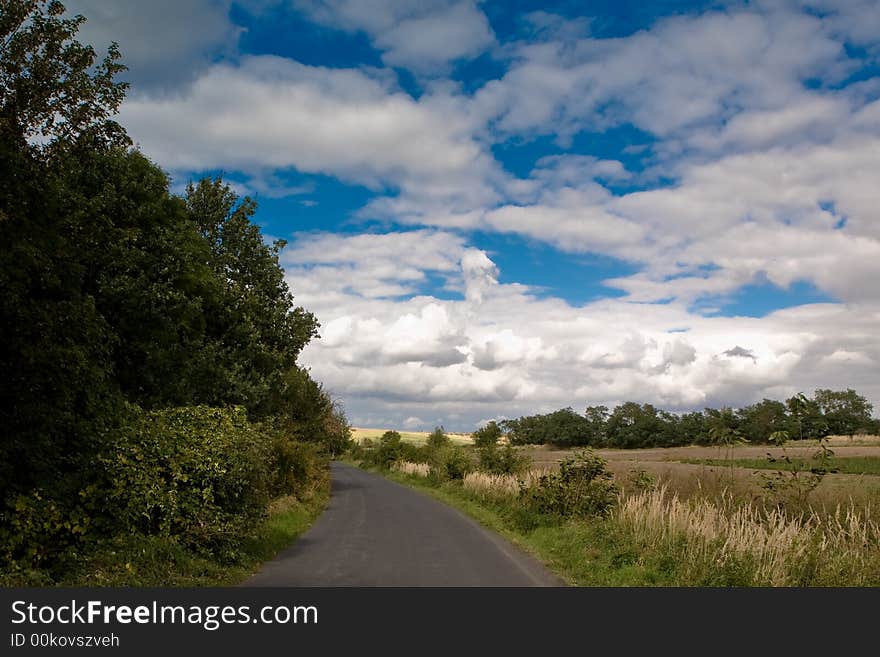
(669, 465)
(359, 434)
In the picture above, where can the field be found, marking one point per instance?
(688, 516)
(742, 470)
(415, 437)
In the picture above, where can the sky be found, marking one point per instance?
(504, 208)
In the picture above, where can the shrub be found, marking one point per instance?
(414, 453)
(437, 439)
(199, 473)
(582, 487)
(449, 463)
(487, 435)
(503, 461)
(336, 432)
(359, 451)
(639, 481)
(387, 453)
(37, 528)
(294, 467)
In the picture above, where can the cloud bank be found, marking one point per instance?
(750, 157)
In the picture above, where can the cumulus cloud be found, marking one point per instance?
(421, 35)
(507, 352)
(681, 73)
(761, 164)
(480, 274)
(269, 113)
(373, 265)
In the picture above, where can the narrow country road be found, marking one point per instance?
(375, 532)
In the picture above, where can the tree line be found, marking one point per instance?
(633, 425)
(144, 335)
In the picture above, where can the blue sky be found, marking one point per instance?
(497, 208)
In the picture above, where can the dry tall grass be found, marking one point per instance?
(779, 550)
(406, 467)
(492, 485)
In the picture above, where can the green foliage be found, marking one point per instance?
(254, 333)
(198, 473)
(632, 426)
(305, 411)
(119, 296)
(336, 431)
(759, 422)
(449, 463)
(199, 476)
(581, 487)
(640, 481)
(51, 88)
(723, 426)
(845, 411)
(597, 425)
(805, 418)
(487, 435)
(691, 428)
(437, 439)
(294, 467)
(562, 428)
(391, 449)
(387, 452)
(503, 460)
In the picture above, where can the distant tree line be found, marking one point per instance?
(633, 425)
(149, 341)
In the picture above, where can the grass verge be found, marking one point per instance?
(164, 561)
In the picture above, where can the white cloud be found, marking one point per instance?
(857, 21)
(763, 179)
(506, 352)
(480, 274)
(270, 113)
(683, 72)
(374, 265)
(424, 36)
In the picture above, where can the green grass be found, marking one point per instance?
(163, 561)
(859, 465)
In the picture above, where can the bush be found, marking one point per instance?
(358, 451)
(202, 476)
(295, 467)
(336, 433)
(503, 460)
(449, 463)
(487, 435)
(199, 473)
(308, 413)
(582, 487)
(388, 452)
(39, 528)
(391, 449)
(437, 439)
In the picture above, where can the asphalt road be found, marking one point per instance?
(375, 532)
